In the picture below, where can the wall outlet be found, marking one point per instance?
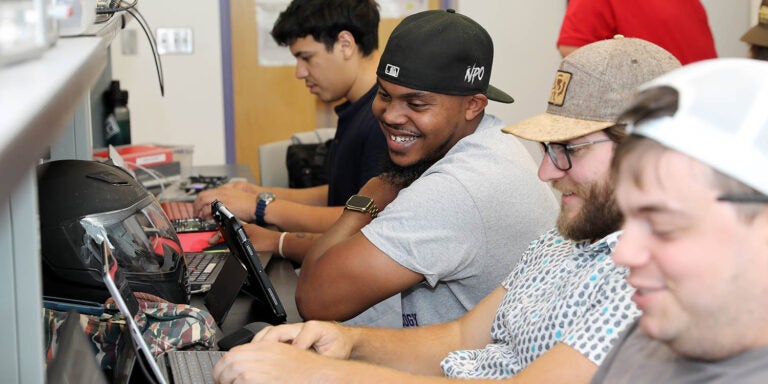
(178, 41)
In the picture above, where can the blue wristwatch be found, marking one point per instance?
(264, 199)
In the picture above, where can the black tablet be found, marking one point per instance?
(258, 283)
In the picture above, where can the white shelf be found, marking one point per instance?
(39, 97)
(44, 104)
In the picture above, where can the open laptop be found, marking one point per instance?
(258, 283)
(128, 306)
(74, 360)
(188, 367)
(203, 267)
(225, 289)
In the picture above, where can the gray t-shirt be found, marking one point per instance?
(464, 223)
(639, 359)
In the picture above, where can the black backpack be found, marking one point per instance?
(307, 164)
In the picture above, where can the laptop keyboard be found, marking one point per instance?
(178, 210)
(193, 366)
(201, 265)
(183, 218)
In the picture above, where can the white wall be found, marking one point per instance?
(525, 57)
(729, 19)
(192, 112)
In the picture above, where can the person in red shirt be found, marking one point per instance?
(681, 26)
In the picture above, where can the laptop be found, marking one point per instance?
(74, 361)
(258, 283)
(188, 367)
(225, 289)
(204, 269)
(128, 306)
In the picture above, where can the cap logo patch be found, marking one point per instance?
(762, 15)
(392, 70)
(474, 73)
(559, 88)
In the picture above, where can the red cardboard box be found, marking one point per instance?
(145, 155)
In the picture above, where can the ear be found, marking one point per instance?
(475, 106)
(347, 44)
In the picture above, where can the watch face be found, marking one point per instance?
(358, 201)
(266, 196)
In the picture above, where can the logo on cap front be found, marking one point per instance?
(392, 70)
(559, 88)
(474, 73)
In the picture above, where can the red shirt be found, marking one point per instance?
(679, 26)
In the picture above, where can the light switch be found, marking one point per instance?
(175, 41)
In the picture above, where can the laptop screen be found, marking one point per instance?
(74, 361)
(128, 307)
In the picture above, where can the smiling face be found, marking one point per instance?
(422, 125)
(587, 207)
(328, 75)
(699, 267)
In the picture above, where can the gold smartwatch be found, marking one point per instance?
(362, 204)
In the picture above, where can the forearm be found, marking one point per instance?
(345, 227)
(317, 196)
(295, 217)
(296, 245)
(416, 350)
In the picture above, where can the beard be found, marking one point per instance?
(403, 176)
(599, 216)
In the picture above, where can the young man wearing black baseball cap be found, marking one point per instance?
(553, 318)
(464, 197)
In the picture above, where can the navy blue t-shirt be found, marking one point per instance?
(356, 152)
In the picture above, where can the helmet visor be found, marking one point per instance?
(141, 237)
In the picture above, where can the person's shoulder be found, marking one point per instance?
(550, 239)
(487, 135)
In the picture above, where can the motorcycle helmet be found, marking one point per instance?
(84, 203)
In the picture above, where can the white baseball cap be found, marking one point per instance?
(721, 119)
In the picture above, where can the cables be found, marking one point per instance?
(105, 13)
(152, 43)
(158, 176)
(100, 11)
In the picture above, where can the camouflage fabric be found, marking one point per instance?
(165, 326)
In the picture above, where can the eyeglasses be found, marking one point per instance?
(560, 153)
(744, 198)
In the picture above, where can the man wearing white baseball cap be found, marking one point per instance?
(690, 181)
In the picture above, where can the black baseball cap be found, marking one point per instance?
(441, 51)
